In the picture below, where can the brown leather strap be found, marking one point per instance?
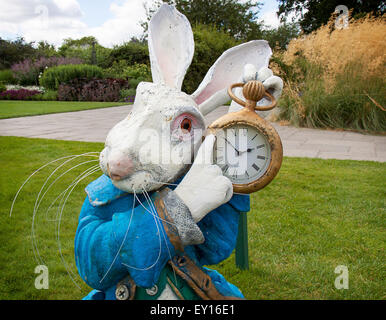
(197, 279)
(167, 222)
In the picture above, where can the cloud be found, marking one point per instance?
(270, 19)
(19, 11)
(56, 20)
(124, 24)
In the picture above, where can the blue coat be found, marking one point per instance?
(106, 250)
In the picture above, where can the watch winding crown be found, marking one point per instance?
(253, 90)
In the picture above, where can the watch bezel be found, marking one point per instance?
(250, 118)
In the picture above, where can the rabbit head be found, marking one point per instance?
(156, 143)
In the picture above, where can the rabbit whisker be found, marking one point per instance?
(49, 187)
(163, 220)
(59, 221)
(36, 171)
(34, 242)
(123, 241)
(160, 243)
(63, 192)
(85, 174)
(150, 202)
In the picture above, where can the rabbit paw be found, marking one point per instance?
(204, 188)
(272, 84)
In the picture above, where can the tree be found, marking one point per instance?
(238, 19)
(210, 43)
(87, 48)
(314, 13)
(281, 36)
(133, 52)
(45, 49)
(14, 51)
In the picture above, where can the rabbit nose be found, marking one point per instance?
(119, 166)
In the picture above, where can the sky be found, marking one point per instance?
(111, 22)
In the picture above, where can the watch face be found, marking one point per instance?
(243, 153)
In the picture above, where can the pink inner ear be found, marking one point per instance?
(209, 91)
(170, 57)
(229, 68)
(171, 46)
(225, 74)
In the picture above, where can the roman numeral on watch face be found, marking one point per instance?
(243, 154)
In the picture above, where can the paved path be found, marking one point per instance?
(93, 125)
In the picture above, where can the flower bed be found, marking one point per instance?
(83, 89)
(20, 94)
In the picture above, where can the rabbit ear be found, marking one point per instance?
(171, 46)
(228, 69)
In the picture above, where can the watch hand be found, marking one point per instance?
(237, 151)
(248, 150)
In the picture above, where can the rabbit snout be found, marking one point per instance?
(119, 166)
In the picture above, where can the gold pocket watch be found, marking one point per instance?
(247, 149)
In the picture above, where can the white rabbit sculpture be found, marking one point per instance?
(137, 238)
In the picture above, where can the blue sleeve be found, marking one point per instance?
(220, 228)
(113, 240)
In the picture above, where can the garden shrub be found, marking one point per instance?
(6, 77)
(2, 87)
(28, 71)
(141, 72)
(21, 94)
(354, 102)
(84, 89)
(122, 70)
(116, 70)
(55, 76)
(335, 78)
(127, 95)
(134, 74)
(48, 95)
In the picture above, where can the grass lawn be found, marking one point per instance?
(316, 215)
(19, 108)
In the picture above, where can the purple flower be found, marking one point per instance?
(21, 94)
(27, 71)
(91, 90)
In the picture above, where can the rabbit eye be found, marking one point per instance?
(186, 125)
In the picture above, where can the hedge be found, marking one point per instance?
(55, 76)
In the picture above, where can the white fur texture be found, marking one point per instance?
(145, 136)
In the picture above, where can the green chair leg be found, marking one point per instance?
(242, 243)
